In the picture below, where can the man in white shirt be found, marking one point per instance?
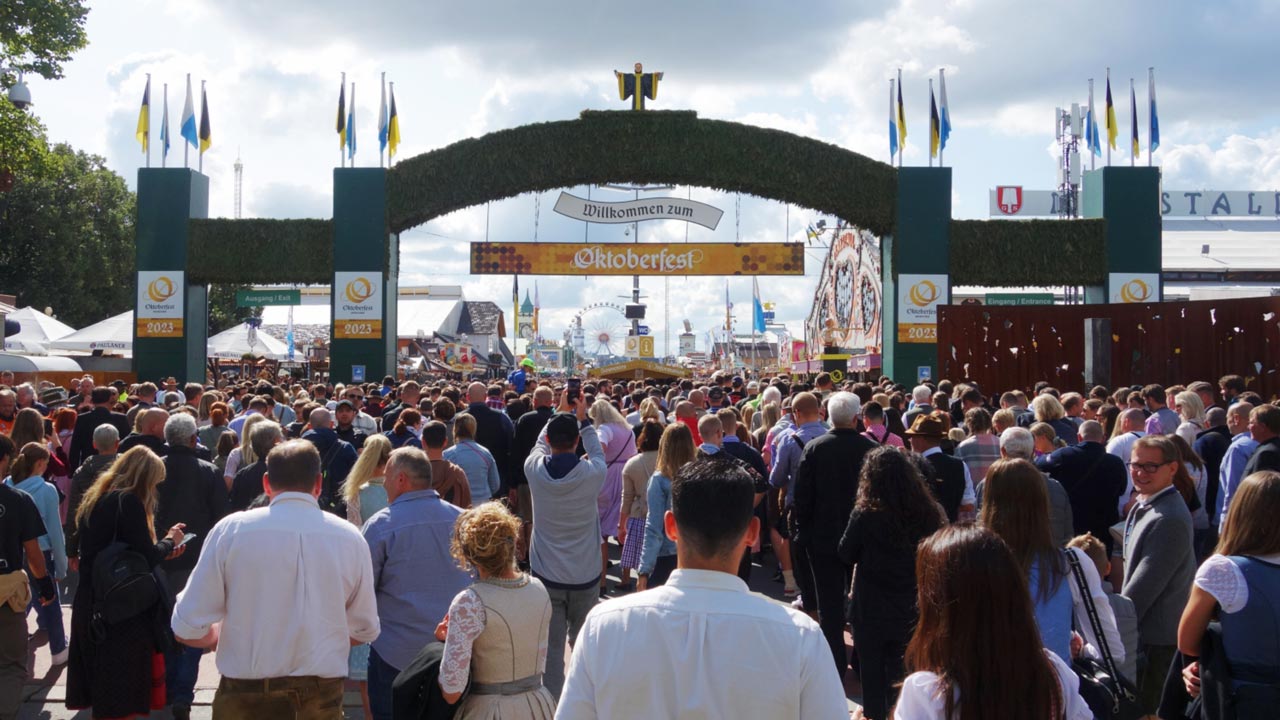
(1132, 423)
(702, 622)
(294, 587)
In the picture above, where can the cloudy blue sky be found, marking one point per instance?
(819, 69)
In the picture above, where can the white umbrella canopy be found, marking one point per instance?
(38, 327)
(25, 346)
(113, 335)
(237, 342)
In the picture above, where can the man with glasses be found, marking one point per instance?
(1159, 559)
(363, 421)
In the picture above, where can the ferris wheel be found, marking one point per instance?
(600, 331)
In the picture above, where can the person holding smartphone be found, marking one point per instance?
(565, 547)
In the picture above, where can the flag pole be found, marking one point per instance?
(200, 168)
(342, 149)
(1109, 111)
(898, 113)
(382, 112)
(165, 131)
(1151, 88)
(1093, 115)
(148, 119)
(1133, 115)
(931, 105)
(941, 108)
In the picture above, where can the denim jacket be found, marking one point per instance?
(656, 542)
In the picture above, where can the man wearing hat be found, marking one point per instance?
(564, 552)
(519, 378)
(951, 484)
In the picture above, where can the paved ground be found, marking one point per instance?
(45, 695)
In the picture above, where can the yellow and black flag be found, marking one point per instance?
(206, 133)
(341, 125)
(935, 129)
(143, 133)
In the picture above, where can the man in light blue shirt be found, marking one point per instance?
(1233, 463)
(808, 425)
(414, 576)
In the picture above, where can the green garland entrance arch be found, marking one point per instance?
(673, 146)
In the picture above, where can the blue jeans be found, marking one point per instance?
(49, 617)
(381, 675)
(181, 668)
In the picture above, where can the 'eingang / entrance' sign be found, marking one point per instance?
(661, 208)
(637, 259)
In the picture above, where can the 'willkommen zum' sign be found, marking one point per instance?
(637, 259)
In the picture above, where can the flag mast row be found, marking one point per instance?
(940, 121)
(198, 133)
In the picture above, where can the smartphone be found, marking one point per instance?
(575, 389)
(185, 539)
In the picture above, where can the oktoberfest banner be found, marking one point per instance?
(637, 259)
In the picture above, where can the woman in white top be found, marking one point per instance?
(1240, 583)
(976, 652)
(242, 457)
(1191, 409)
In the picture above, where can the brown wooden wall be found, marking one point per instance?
(1168, 343)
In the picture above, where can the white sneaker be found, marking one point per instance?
(61, 658)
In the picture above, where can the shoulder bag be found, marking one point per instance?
(1108, 693)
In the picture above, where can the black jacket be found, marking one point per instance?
(1215, 701)
(527, 431)
(86, 423)
(947, 483)
(1212, 445)
(416, 694)
(151, 442)
(193, 492)
(88, 472)
(247, 485)
(1265, 457)
(337, 457)
(1094, 480)
(826, 485)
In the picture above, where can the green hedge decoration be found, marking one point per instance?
(260, 251)
(1022, 253)
(662, 146)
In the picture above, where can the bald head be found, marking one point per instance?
(152, 422)
(543, 396)
(321, 418)
(476, 392)
(1091, 431)
(1132, 420)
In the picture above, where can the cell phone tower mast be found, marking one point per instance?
(239, 168)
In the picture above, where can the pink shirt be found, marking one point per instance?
(880, 435)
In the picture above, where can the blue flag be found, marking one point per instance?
(188, 130)
(757, 308)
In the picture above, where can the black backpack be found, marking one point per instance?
(124, 585)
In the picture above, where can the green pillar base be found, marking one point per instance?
(167, 199)
(360, 246)
(920, 246)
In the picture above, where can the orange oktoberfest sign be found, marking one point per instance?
(1134, 287)
(357, 305)
(637, 259)
(918, 299)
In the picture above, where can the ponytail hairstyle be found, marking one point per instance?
(408, 418)
(25, 463)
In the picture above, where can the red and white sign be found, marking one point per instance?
(1009, 198)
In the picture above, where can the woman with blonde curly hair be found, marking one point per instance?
(495, 633)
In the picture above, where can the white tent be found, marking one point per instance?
(235, 343)
(114, 336)
(38, 330)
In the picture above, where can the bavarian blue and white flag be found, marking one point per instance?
(757, 308)
(1155, 121)
(188, 127)
(944, 111)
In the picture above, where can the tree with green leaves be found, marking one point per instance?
(37, 37)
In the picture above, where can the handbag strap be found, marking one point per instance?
(1087, 599)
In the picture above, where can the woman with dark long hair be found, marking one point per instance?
(893, 512)
(975, 654)
(1015, 506)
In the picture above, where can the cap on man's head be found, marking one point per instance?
(562, 429)
(527, 363)
(344, 403)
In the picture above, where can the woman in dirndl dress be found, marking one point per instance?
(495, 634)
(619, 445)
(635, 506)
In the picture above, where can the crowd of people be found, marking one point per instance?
(1030, 553)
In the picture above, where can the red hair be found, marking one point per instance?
(64, 419)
